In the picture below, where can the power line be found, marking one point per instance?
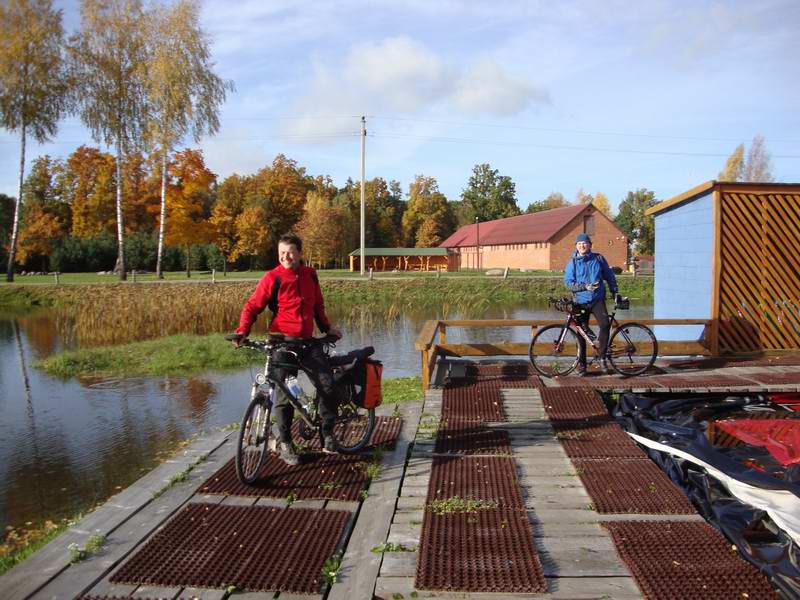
(556, 146)
(571, 131)
(290, 137)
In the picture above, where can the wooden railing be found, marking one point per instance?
(430, 348)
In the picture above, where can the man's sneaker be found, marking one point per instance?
(605, 369)
(288, 455)
(580, 371)
(328, 445)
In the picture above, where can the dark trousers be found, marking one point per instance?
(315, 361)
(598, 309)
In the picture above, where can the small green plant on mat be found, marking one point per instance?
(330, 568)
(391, 547)
(329, 485)
(460, 505)
(364, 494)
(93, 544)
(291, 499)
(180, 476)
(397, 596)
(428, 428)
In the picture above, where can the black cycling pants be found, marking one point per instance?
(598, 309)
(315, 361)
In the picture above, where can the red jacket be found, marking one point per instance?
(295, 304)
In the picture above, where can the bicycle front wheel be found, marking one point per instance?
(354, 424)
(554, 351)
(632, 349)
(253, 435)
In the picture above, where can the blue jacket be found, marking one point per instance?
(589, 268)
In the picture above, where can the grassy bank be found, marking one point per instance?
(171, 355)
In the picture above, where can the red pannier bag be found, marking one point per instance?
(367, 380)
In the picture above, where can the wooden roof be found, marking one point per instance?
(703, 188)
(534, 227)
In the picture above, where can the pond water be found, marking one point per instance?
(67, 445)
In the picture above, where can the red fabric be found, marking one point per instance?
(300, 303)
(788, 399)
(780, 436)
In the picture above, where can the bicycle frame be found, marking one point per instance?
(576, 325)
(267, 377)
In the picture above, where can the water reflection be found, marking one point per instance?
(66, 445)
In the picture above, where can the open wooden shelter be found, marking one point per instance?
(731, 252)
(403, 259)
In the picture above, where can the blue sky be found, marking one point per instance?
(596, 95)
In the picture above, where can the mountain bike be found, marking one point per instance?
(353, 424)
(555, 349)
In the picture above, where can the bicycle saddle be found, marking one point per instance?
(338, 360)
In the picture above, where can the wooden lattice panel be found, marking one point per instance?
(759, 295)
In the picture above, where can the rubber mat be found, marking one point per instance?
(256, 548)
(678, 560)
(385, 433)
(591, 440)
(483, 551)
(733, 361)
(569, 404)
(474, 403)
(776, 378)
(471, 439)
(318, 477)
(476, 478)
(630, 486)
(510, 370)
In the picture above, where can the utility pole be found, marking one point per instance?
(478, 243)
(363, 192)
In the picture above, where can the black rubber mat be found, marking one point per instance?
(490, 478)
(385, 433)
(255, 548)
(318, 477)
(571, 404)
(630, 486)
(482, 551)
(596, 440)
(467, 438)
(678, 560)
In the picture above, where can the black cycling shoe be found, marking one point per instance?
(605, 369)
(581, 371)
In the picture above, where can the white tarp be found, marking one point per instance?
(782, 506)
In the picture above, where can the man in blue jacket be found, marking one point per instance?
(584, 276)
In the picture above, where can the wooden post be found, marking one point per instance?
(133, 273)
(425, 374)
(442, 333)
(716, 268)
(370, 272)
(213, 276)
(56, 274)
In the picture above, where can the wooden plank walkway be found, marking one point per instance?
(577, 555)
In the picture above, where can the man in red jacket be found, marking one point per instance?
(291, 291)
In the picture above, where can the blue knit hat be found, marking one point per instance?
(582, 237)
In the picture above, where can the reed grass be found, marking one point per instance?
(95, 315)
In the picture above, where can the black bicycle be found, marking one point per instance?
(353, 425)
(555, 349)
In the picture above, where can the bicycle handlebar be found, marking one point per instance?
(274, 341)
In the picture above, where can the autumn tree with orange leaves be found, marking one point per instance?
(189, 202)
(90, 189)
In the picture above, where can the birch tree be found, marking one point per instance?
(33, 85)
(185, 94)
(108, 59)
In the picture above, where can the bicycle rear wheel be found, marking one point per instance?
(253, 435)
(554, 351)
(354, 424)
(632, 349)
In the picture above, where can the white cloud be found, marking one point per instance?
(487, 88)
(402, 76)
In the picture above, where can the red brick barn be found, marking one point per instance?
(542, 240)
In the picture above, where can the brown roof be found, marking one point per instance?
(534, 227)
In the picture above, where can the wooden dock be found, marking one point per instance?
(576, 552)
